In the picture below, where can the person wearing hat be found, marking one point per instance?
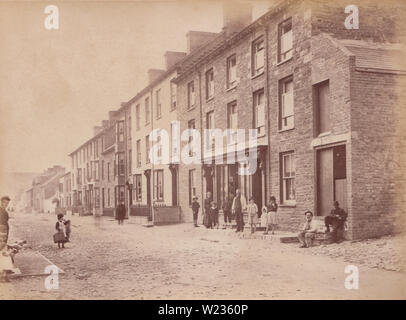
(336, 219)
(195, 209)
(4, 215)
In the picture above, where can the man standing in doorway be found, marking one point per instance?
(4, 215)
(239, 205)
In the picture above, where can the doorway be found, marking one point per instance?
(331, 179)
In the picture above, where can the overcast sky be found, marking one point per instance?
(55, 85)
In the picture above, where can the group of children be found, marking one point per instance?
(269, 217)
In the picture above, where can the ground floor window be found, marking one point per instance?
(96, 197)
(288, 173)
(159, 185)
(138, 187)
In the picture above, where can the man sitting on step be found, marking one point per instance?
(308, 232)
(336, 219)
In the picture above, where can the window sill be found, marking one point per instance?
(157, 118)
(231, 88)
(257, 75)
(286, 205)
(285, 130)
(284, 61)
(210, 99)
(191, 108)
(324, 134)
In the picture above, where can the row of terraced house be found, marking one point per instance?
(324, 101)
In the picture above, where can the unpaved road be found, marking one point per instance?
(108, 261)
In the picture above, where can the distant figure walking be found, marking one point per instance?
(120, 212)
(239, 205)
(195, 209)
(4, 217)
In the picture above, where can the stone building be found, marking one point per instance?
(322, 87)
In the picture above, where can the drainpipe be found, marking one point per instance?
(152, 162)
(267, 172)
(201, 136)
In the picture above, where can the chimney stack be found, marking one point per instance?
(105, 123)
(154, 74)
(172, 57)
(97, 129)
(236, 16)
(112, 114)
(196, 39)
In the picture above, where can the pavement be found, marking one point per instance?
(108, 261)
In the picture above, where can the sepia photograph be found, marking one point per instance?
(204, 150)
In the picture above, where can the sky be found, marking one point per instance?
(55, 85)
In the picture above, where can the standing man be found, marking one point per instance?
(207, 205)
(195, 209)
(4, 215)
(239, 205)
(120, 212)
(336, 219)
(227, 210)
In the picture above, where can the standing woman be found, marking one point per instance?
(206, 214)
(4, 216)
(272, 215)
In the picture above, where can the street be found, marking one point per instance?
(108, 261)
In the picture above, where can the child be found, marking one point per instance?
(272, 215)
(252, 210)
(67, 229)
(60, 236)
(214, 215)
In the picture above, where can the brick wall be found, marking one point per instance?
(378, 148)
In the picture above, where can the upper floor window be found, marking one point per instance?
(286, 110)
(158, 104)
(322, 107)
(173, 96)
(120, 131)
(120, 164)
(259, 111)
(285, 40)
(139, 153)
(147, 160)
(137, 117)
(191, 97)
(232, 122)
(258, 57)
(209, 84)
(231, 71)
(147, 111)
(209, 125)
(191, 125)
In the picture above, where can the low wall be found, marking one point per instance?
(166, 215)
